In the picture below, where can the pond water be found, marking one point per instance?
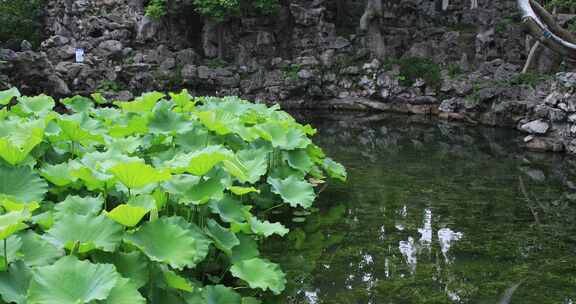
(433, 212)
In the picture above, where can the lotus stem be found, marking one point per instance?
(5, 254)
(75, 248)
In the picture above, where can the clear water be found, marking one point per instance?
(433, 213)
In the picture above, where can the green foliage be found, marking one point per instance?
(158, 198)
(530, 79)
(561, 5)
(156, 9)
(412, 68)
(291, 71)
(21, 20)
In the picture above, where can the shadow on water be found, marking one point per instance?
(433, 212)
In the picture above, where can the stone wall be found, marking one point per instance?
(310, 55)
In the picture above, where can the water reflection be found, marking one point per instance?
(433, 213)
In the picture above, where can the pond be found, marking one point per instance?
(433, 212)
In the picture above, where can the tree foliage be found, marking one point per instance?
(21, 20)
(218, 10)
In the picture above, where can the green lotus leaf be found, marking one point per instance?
(145, 201)
(72, 131)
(183, 101)
(124, 292)
(12, 222)
(77, 103)
(229, 209)
(18, 139)
(195, 190)
(247, 249)
(14, 283)
(299, 160)
(136, 175)
(237, 168)
(131, 265)
(98, 98)
(72, 281)
(10, 204)
(220, 294)
(200, 162)
(266, 228)
(165, 121)
(38, 105)
(168, 240)
(142, 104)
(90, 179)
(91, 232)
(256, 163)
(283, 136)
(243, 190)
(174, 280)
(7, 95)
(44, 220)
(334, 169)
(13, 246)
(58, 175)
(223, 238)
(128, 144)
(127, 215)
(219, 122)
(250, 300)
(260, 273)
(293, 191)
(74, 204)
(38, 252)
(134, 125)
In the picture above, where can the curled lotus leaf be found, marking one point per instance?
(136, 175)
(260, 273)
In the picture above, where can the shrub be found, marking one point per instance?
(412, 68)
(21, 20)
(140, 202)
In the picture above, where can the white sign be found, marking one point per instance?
(79, 55)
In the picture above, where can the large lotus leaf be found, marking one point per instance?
(247, 249)
(195, 190)
(223, 238)
(142, 104)
(334, 169)
(14, 283)
(136, 175)
(38, 252)
(77, 103)
(200, 162)
(299, 160)
(125, 292)
(72, 281)
(7, 95)
(219, 294)
(283, 136)
(260, 273)
(256, 163)
(12, 222)
(91, 179)
(229, 209)
(167, 240)
(38, 105)
(132, 265)
(165, 121)
(10, 204)
(242, 190)
(293, 191)
(127, 215)
(74, 204)
(266, 228)
(91, 232)
(128, 144)
(220, 122)
(134, 125)
(18, 138)
(58, 175)
(174, 280)
(72, 131)
(183, 101)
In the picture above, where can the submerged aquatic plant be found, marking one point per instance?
(158, 200)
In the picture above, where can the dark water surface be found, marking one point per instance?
(433, 213)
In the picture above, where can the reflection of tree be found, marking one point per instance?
(407, 185)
